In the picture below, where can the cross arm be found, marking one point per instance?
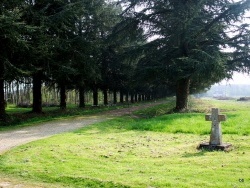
(221, 117)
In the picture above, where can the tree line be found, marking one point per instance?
(138, 48)
(20, 95)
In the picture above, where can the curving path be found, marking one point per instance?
(10, 139)
(13, 138)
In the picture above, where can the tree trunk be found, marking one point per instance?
(115, 97)
(13, 92)
(121, 97)
(62, 97)
(132, 98)
(126, 97)
(81, 97)
(10, 94)
(54, 94)
(37, 93)
(182, 93)
(105, 97)
(70, 97)
(17, 93)
(143, 97)
(2, 101)
(46, 95)
(76, 96)
(25, 92)
(95, 96)
(7, 85)
(136, 97)
(140, 98)
(148, 97)
(28, 93)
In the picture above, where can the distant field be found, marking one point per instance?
(152, 148)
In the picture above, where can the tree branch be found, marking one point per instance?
(226, 13)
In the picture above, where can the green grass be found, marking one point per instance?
(12, 109)
(238, 118)
(193, 123)
(149, 150)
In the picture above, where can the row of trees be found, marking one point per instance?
(20, 94)
(130, 46)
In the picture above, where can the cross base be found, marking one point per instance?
(207, 146)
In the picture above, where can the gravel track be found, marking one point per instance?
(10, 139)
(13, 138)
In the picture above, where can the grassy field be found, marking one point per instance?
(153, 148)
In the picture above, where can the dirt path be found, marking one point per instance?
(10, 139)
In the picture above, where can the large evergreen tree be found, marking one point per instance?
(192, 37)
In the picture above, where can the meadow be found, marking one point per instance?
(152, 148)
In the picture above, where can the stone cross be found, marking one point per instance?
(216, 134)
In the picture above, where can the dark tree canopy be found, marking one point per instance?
(137, 47)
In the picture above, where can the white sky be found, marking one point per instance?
(238, 78)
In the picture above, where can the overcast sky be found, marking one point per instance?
(238, 78)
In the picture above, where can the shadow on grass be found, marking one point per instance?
(202, 152)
